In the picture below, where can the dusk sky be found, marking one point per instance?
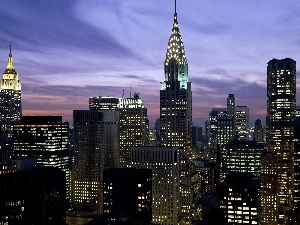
(67, 51)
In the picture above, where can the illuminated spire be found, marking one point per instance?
(10, 64)
(176, 54)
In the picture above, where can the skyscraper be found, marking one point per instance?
(281, 110)
(96, 147)
(176, 111)
(134, 124)
(10, 112)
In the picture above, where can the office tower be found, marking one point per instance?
(281, 109)
(127, 195)
(44, 138)
(221, 128)
(164, 162)
(176, 113)
(231, 109)
(258, 131)
(10, 112)
(134, 127)
(96, 147)
(134, 124)
(242, 122)
(35, 196)
(243, 157)
(239, 198)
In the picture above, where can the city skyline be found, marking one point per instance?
(70, 51)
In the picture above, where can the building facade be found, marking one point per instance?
(242, 122)
(46, 139)
(243, 157)
(10, 112)
(239, 198)
(36, 196)
(134, 124)
(96, 147)
(165, 165)
(127, 195)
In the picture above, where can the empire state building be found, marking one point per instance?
(10, 112)
(176, 112)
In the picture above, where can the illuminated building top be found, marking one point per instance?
(176, 66)
(10, 78)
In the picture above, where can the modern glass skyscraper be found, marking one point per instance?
(10, 112)
(176, 111)
(281, 93)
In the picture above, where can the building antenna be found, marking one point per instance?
(10, 48)
(175, 7)
(130, 90)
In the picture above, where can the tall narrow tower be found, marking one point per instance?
(10, 112)
(176, 97)
(176, 111)
(281, 81)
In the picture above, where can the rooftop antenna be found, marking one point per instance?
(175, 6)
(130, 90)
(10, 48)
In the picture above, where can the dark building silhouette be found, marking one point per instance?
(33, 197)
(297, 166)
(127, 195)
(239, 198)
(258, 134)
(46, 139)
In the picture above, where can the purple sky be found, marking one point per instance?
(67, 51)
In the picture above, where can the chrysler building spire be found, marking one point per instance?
(176, 66)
